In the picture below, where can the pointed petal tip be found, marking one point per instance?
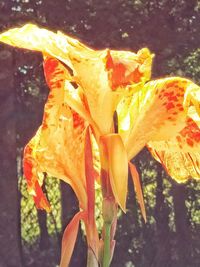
(138, 189)
(69, 239)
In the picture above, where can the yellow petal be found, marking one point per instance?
(191, 103)
(180, 155)
(108, 73)
(127, 68)
(34, 38)
(117, 166)
(34, 181)
(60, 139)
(154, 112)
(92, 69)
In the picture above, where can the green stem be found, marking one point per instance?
(106, 249)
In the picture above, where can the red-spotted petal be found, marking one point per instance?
(127, 68)
(97, 72)
(32, 178)
(154, 112)
(60, 140)
(180, 155)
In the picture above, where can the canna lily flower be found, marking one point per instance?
(87, 87)
(58, 149)
(103, 79)
(116, 81)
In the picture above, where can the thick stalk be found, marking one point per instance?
(109, 211)
(107, 242)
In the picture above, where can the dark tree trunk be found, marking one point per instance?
(44, 237)
(183, 241)
(162, 257)
(10, 242)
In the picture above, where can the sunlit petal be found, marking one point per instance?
(34, 38)
(127, 68)
(155, 112)
(102, 75)
(59, 150)
(191, 103)
(180, 155)
(108, 73)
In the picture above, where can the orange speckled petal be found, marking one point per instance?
(181, 154)
(103, 75)
(155, 112)
(60, 139)
(108, 75)
(179, 165)
(127, 68)
(30, 173)
(191, 103)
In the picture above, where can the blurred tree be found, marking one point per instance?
(10, 241)
(183, 235)
(163, 255)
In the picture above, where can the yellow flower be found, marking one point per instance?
(103, 78)
(162, 115)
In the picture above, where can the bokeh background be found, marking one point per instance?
(28, 237)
